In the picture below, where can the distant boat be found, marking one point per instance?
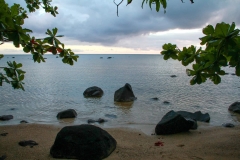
(56, 56)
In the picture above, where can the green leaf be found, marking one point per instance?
(129, 1)
(164, 3)
(157, 5)
(21, 77)
(54, 31)
(208, 30)
(221, 30)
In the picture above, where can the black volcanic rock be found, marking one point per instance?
(85, 142)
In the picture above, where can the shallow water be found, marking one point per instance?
(53, 86)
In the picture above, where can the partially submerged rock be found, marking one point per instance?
(6, 117)
(93, 92)
(69, 113)
(100, 120)
(173, 123)
(85, 142)
(228, 125)
(124, 94)
(235, 107)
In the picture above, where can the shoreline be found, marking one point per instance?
(207, 142)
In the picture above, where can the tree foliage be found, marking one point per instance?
(222, 48)
(157, 3)
(11, 30)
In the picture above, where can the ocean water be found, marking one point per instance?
(52, 87)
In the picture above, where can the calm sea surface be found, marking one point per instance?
(52, 87)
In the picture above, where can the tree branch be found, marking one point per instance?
(118, 5)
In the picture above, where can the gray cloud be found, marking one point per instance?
(95, 21)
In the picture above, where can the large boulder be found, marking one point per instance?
(197, 116)
(69, 113)
(93, 92)
(83, 142)
(235, 107)
(173, 123)
(124, 94)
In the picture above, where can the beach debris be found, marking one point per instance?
(30, 143)
(69, 113)
(6, 117)
(3, 157)
(180, 145)
(4, 134)
(228, 125)
(159, 143)
(84, 141)
(100, 120)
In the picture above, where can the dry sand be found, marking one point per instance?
(204, 143)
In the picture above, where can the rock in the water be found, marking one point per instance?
(173, 76)
(23, 121)
(228, 125)
(166, 102)
(173, 123)
(93, 92)
(69, 113)
(235, 107)
(155, 98)
(124, 94)
(197, 116)
(6, 117)
(85, 142)
(100, 120)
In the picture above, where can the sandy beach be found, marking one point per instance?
(204, 143)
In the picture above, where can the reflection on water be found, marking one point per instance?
(52, 87)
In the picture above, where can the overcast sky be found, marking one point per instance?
(92, 26)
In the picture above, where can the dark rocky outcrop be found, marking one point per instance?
(69, 113)
(173, 123)
(93, 92)
(85, 142)
(124, 94)
(197, 116)
(235, 107)
(6, 117)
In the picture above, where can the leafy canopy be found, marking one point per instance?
(11, 30)
(222, 48)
